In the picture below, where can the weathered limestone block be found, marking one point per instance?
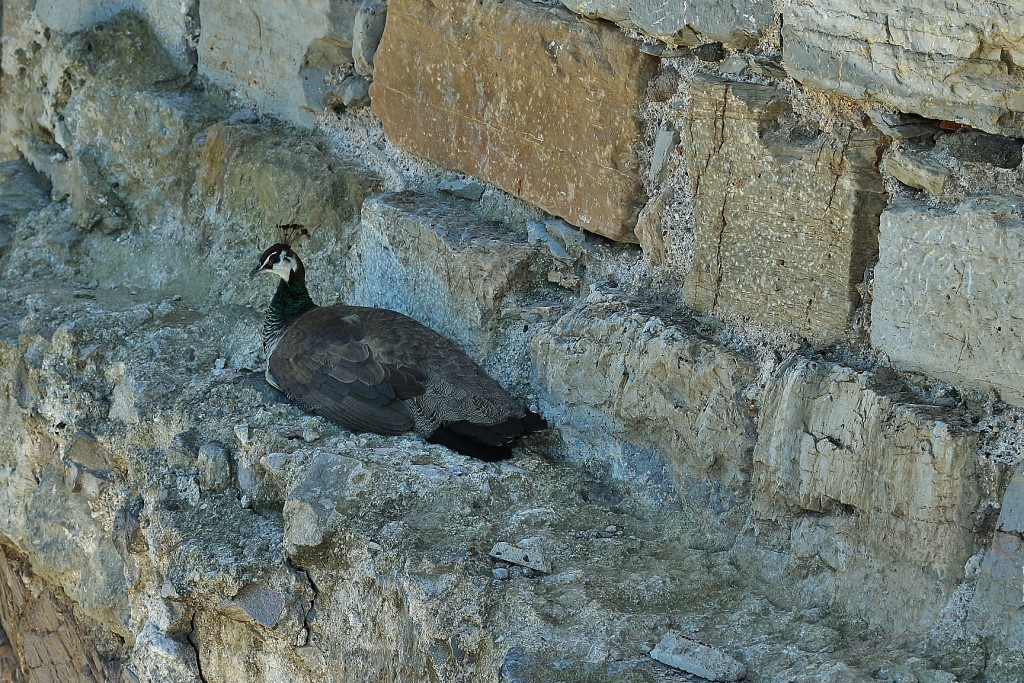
(786, 218)
(268, 177)
(523, 96)
(611, 372)
(737, 24)
(956, 62)
(896, 486)
(948, 293)
(442, 265)
(111, 127)
(996, 610)
(277, 55)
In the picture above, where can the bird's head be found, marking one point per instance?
(279, 260)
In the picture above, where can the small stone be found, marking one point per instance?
(355, 92)
(243, 116)
(903, 126)
(975, 146)
(710, 52)
(275, 462)
(214, 467)
(680, 652)
(919, 170)
(664, 84)
(510, 553)
(665, 141)
(500, 573)
(611, 528)
(462, 189)
(243, 434)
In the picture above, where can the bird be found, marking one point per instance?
(377, 370)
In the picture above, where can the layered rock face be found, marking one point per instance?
(774, 330)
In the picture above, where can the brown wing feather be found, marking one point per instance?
(323, 364)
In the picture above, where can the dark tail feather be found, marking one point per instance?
(487, 442)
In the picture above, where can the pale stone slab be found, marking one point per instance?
(786, 217)
(611, 372)
(893, 487)
(948, 292)
(522, 95)
(441, 264)
(276, 54)
(686, 654)
(942, 60)
(738, 24)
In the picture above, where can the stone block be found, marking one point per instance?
(892, 488)
(521, 95)
(738, 24)
(612, 372)
(442, 265)
(953, 62)
(997, 609)
(276, 55)
(786, 217)
(267, 177)
(947, 295)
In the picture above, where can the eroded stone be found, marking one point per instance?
(441, 264)
(738, 23)
(893, 485)
(904, 57)
(786, 216)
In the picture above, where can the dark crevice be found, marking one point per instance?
(191, 640)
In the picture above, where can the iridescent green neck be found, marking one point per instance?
(290, 301)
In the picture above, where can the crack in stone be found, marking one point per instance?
(190, 639)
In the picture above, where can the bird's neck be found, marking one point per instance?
(290, 302)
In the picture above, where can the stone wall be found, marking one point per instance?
(756, 263)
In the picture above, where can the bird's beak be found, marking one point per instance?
(257, 270)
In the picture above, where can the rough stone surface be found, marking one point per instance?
(891, 489)
(919, 169)
(910, 57)
(367, 29)
(166, 516)
(998, 599)
(442, 265)
(786, 217)
(696, 658)
(256, 175)
(738, 24)
(513, 111)
(978, 147)
(626, 386)
(277, 55)
(947, 292)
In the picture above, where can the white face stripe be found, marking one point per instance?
(283, 267)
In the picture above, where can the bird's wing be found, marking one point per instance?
(323, 363)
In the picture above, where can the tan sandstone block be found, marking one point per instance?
(786, 216)
(523, 96)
